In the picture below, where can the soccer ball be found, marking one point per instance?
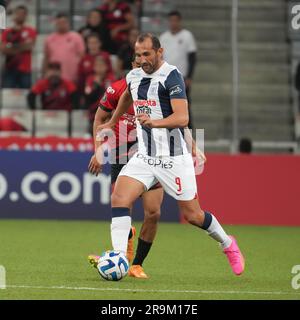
(113, 265)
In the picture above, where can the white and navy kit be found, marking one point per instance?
(162, 153)
(151, 94)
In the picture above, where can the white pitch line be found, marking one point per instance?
(155, 291)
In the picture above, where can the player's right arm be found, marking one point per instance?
(101, 116)
(197, 154)
(106, 105)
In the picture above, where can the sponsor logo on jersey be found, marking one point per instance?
(144, 103)
(144, 106)
(145, 110)
(156, 162)
(175, 90)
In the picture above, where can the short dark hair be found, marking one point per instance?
(175, 13)
(62, 15)
(147, 35)
(21, 7)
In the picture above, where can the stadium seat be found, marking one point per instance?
(14, 98)
(292, 33)
(40, 42)
(30, 4)
(83, 6)
(37, 60)
(156, 7)
(22, 118)
(295, 50)
(78, 21)
(51, 123)
(54, 6)
(156, 25)
(79, 123)
(45, 23)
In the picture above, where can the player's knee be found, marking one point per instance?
(152, 215)
(118, 200)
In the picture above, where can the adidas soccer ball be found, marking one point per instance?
(113, 265)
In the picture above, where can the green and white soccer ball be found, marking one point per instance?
(113, 265)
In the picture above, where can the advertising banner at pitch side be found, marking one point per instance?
(57, 185)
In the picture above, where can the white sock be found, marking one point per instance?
(216, 231)
(120, 228)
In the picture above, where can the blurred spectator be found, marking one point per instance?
(245, 145)
(96, 25)
(56, 93)
(17, 44)
(180, 50)
(119, 20)
(64, 46)
(86, 65)
(125, 54)
(96, 84)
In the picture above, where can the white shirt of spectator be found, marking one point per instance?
(177, 48)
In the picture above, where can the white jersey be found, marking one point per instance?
(152, 94)
(177, 47)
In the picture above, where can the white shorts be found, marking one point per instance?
(175, 174)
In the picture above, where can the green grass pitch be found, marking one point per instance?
(48, 260)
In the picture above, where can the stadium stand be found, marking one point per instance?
(51, 123)
(265, 112)
(16, 122)
(14, 98)
(51, 6)
(267, 64)
(80, 123)
(82, 7)
(294, 38)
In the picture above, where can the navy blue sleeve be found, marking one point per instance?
(175, 85)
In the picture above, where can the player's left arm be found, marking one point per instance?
(178, 119)
(175, 87)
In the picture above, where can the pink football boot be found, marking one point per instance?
(235, 257)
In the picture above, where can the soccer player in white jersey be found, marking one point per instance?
(158, 94)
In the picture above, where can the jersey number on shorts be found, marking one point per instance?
(178, 182)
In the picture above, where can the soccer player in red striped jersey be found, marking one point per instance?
(122, 148)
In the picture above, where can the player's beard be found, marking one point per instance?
(147, 67)
(150, 67)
